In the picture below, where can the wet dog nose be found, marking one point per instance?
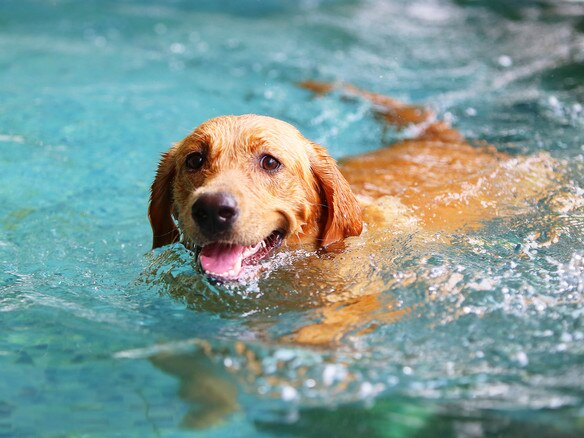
(215, 213)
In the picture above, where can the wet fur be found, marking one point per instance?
(427, 187)
(435, 180)
(308, 197)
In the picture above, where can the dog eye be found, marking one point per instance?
(269, 163)
(195, 161)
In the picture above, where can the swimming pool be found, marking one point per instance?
(94, 342)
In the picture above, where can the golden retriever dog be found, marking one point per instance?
(239, 187)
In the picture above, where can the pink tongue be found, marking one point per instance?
(222, 259)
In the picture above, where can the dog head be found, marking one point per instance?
(240, 186)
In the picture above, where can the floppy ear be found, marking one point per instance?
(342, 209)
(164, 230)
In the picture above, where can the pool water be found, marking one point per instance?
(103, 337)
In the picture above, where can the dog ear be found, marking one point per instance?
(344, 217)
(164, 230)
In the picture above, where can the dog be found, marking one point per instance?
(239, 187)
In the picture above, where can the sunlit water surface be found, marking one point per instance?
(100, 336)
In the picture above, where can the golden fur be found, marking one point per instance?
(435, 180)
(306, 198)
(433, 184)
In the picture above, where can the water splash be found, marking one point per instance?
(473, 335)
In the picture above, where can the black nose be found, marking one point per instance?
(215, 213)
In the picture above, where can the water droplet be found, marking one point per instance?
(178, 48)
(289, 393)
(522, 358)
(310, 383)
(505, 61)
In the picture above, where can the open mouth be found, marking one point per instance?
(225, 261)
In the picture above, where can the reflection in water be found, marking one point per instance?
(202, 384)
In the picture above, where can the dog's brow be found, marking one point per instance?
(256, 141)
(201, 137)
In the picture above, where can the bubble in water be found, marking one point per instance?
(505, 61)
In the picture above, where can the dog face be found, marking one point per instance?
(240, 186)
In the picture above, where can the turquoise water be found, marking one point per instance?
(96, 340)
